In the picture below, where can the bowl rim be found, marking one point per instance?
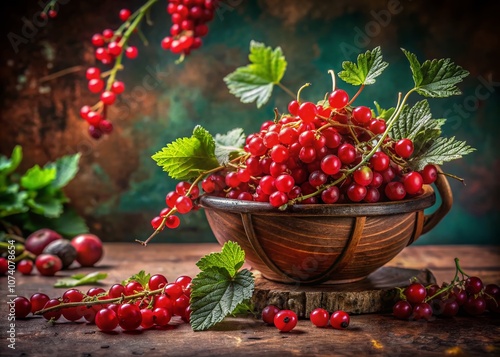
(421, 202)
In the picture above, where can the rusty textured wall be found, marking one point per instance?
(119, 188)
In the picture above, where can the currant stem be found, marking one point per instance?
(356, 95)
(286, 89)
(334, 81)
(61, 73)
(99, 302)
(300, 91)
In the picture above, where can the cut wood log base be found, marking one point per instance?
(376, 293)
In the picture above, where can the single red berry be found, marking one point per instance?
(118, 87)
(429, 174)
(285, 320)
(338, 99)
(361, 115)
(25, 266)
(422, 311)
(131, 52)
(108, 97)
(415, 293)
(124, 14)
(402, 310)
(319, 317)
(307, 112)
(340, 320)
(96, 85)
(404, 148)
(413, 182)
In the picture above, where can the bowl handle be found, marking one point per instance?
(444, 189)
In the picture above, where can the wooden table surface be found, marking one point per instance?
(374, 334)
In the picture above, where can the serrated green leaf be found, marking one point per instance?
(436, 78)
(368, 67)
(383, 113)
(48, 206)
(230, 258)
(66, 169)
(439, 151)
(255, 82)
(141, 277)
(80, 279)
(215, 294)
(13, 202)
(227, 144)
(412, 121)
(9, 165)
(187, 158)
(37, 177)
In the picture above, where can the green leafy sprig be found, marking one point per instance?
(221, 288)
(35, 199)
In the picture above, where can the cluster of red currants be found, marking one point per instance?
(314, 155)
(189, 24)
(286, 320)
(471, 296)
(129, 306)
(109, 46)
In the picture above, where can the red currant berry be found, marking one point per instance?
(157, 281)
(413, 182)
(293, 107)
(402, 310)
(395, 191)
(404, 148)
(380, 161)
(340, 320)
(25, 266)
(124, 14)
(285, 320)
(268, 314)
(96, 85)
(22, 307)
(108, 97)
(363, 176)
(319, 317)
(129, 316)
(131, 52)
(429, 174)
(55, 314)
(347, 153)
(415, 293)
(38, 301)
(422, 311)
(331, 164)
(361, 115)
(338, 99)
(307, 112)
(473, 285)
(93, 73)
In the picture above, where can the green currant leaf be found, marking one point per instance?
(141, 277)
(230, 258)
(37, 178)
(436, 78)
(80, 279)
(412, 121)
(368, 67)
(229, 143)
(439, 151)
(382, 113)
(216, 294)
(46, 205)
(9, 165)
(186, 158)
(13, 202)
(66, 169)
(255, 82)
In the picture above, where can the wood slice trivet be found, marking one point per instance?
(376, 293)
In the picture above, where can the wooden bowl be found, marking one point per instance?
(321, 243)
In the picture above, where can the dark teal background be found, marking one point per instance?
(164, 100)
